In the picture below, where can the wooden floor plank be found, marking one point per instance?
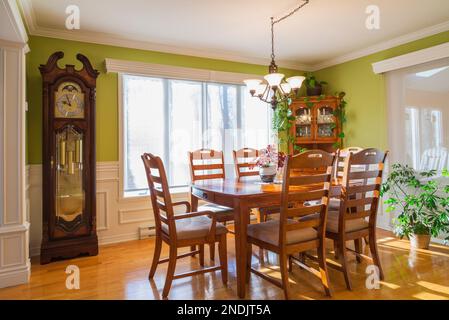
(120, 271)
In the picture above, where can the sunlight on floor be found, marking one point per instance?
(434, 287)
(389, 285)
(429, 296)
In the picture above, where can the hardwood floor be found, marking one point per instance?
(120, 271)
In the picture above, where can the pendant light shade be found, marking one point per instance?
(286, 88)
(274, 79)
(252, 84)
(296, 82)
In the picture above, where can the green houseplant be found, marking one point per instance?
(421, 201)
(282, 122)
(314, 87)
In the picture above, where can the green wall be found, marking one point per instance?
(107, 106)
(365, 92)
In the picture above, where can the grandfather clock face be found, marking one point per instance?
(69, 100)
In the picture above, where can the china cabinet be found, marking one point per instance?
(315, 125)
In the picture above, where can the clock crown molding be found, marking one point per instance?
(108, 39)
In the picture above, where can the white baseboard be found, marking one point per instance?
(110, 239)
(15, 276)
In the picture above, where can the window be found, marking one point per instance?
(169, 117)
(419, 115)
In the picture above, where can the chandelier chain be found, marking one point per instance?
(273, 22)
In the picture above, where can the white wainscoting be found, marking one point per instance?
(14, 227)
(118, 219)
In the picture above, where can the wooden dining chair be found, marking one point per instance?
(243, 161)
(334, 203)
(288, 235)
(340, 163)
(207, 164)
(180, 230)
(359, 201)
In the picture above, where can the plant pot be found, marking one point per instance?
(420, 241)
(315, 91)
(267, 174)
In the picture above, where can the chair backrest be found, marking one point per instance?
(243, 160)
(206, 164)
(433, 159)
(160, 194)
(341, 156)
(307, 181)
(361, 188)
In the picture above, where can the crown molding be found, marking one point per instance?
(417, 57)
(417, 35)
(13, 12)
(108, 39)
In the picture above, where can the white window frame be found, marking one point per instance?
(123, 67)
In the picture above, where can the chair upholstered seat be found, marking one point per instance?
(351, 225)
(269, 232)
(193, 228)
(332, 222)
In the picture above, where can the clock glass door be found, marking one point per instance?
(70, 194)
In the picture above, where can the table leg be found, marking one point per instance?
(193, 202)
(241, 215)
(194, 208)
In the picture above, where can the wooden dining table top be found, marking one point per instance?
(249, 186)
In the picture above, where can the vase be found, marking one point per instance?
(419, 241)
(267, 174)
(279, 175)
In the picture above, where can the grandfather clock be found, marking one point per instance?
(69, 217)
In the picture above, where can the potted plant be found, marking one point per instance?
(422, 202)
(314, 87)
(268, 163)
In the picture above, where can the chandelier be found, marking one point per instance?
(276, 89)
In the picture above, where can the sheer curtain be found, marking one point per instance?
(418, 119)
(418, 115)
(170, 117)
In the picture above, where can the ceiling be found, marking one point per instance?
(324, 32)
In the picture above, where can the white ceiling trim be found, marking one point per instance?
(16, 21)
(407, 60)
(174, 72)
(108, 39)
(427, 32)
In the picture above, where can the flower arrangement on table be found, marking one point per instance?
(269, 161)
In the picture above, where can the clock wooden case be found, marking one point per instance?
(69, 206)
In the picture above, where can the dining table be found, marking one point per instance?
(242, 195)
